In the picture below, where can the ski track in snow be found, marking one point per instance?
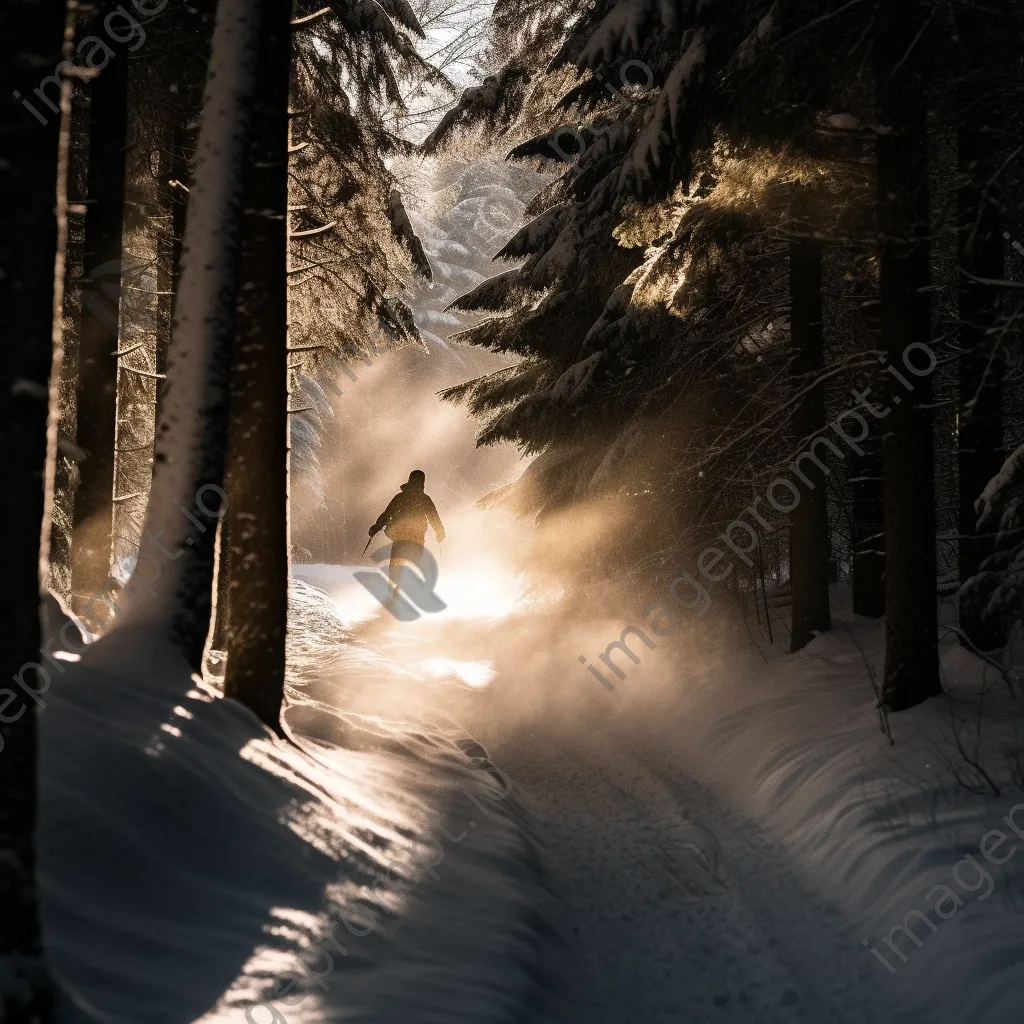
(677, 908)
(756, 945)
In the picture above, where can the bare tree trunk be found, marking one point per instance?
(219, 636)
(911, 627)
(257, 464)
(809, 533)
(29, 241)
(92, 521)
(170, 590)
(67, 461)
(183, 35)
(981, 449)
(868, 537)
(173, 178)
(867, 489)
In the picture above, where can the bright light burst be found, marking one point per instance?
(472, 673)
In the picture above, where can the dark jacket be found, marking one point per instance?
(407, 516)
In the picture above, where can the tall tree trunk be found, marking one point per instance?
(868, 540)
(29, 240)
(809, 534)
(980, 445)
(219, 636)
(170, 590)
(911, 627)
(867, 491)
(182, 37)
(257, 470)
(67, 459)
(173, 164)
(92, 521)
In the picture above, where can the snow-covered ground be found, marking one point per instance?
(733, 837)
(724, 837)
(193, 865)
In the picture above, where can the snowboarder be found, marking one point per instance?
(404, 523)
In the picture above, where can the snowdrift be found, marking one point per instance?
(195, 867)
(934, 898)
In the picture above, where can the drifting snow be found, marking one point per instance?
(871, 830)
(725, 829)
(194, 865)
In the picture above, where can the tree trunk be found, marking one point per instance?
(867, 491)
(67, 461)
(980, 445)
(173, 178)
(911, 628)
(92, 520)
(219, 636)
(809, 533)
(868, 540)
(170, 590)
(257, 467)
(29, 240)
(183, 33)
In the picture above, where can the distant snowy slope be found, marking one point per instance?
(462, 225)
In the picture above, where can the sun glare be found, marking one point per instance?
(481, 591)
(473, 673)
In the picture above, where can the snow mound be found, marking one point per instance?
(915, 845)
(196, 867)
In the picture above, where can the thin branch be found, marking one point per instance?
(309, 18)
(314, 231)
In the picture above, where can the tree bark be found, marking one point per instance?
(981, 450)
(219, 634)
(911, 627)
(868, 540)
(92, 520)
(29, 240)
(257, 462)
(867, 491)
(173, 177)
(170, 590)
(809, 533)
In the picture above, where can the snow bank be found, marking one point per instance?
(193, 865)
(932, 893)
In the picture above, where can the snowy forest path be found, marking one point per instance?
(677, 908)
(680, 909)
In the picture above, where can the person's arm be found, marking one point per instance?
(434, 519)
(383, 518)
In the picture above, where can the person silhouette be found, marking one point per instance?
(404, 523)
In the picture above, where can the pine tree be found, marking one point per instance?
(186, 497)
(360, 45)
(674, 336)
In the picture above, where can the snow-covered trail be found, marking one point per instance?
(681, 910)
(677, 908)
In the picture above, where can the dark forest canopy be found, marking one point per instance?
(759, 207)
